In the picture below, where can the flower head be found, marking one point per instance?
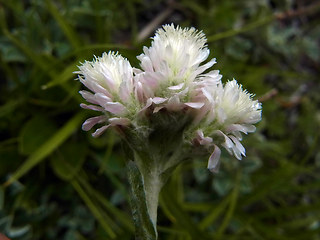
(228, 112)
(110, 79)
(173, 94)
(171, 68)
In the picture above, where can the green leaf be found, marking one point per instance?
(68, 160)
(214, 213)
(181, 217)
(36, 59)
(122, 217)
(48, 147)
(105, 222)
(31, 138)
(9, 107)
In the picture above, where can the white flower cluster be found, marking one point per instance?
(171, 79)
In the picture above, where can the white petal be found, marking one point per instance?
(238, 146)
(204, 67)
(228, 144)
(245, 128)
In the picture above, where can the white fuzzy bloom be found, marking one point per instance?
(171, 68)
(172, 81)
(228, 112)
(110, 79)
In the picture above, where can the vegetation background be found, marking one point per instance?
(57, 182)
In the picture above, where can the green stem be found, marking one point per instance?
(144, 197)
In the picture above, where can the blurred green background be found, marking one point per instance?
(57, 182)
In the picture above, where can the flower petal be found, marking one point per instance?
(90, 122)
(115, 108)
(176, 87)
(245, 128)
(99, 131)
(214, 160)
(91, 107)
(119, 121)
(158, 100)
(196, 105)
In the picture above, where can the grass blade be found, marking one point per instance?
(48, 147)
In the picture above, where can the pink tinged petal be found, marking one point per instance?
(88, 96)
(214, 160)
(177, 87)
(159, 100)
(90, 122)
(119, 121)
(99, 131)
(196, 105)
(102, 99)
(92, 107)
(95, 87)
(115, 108)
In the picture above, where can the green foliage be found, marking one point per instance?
(60, 183)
